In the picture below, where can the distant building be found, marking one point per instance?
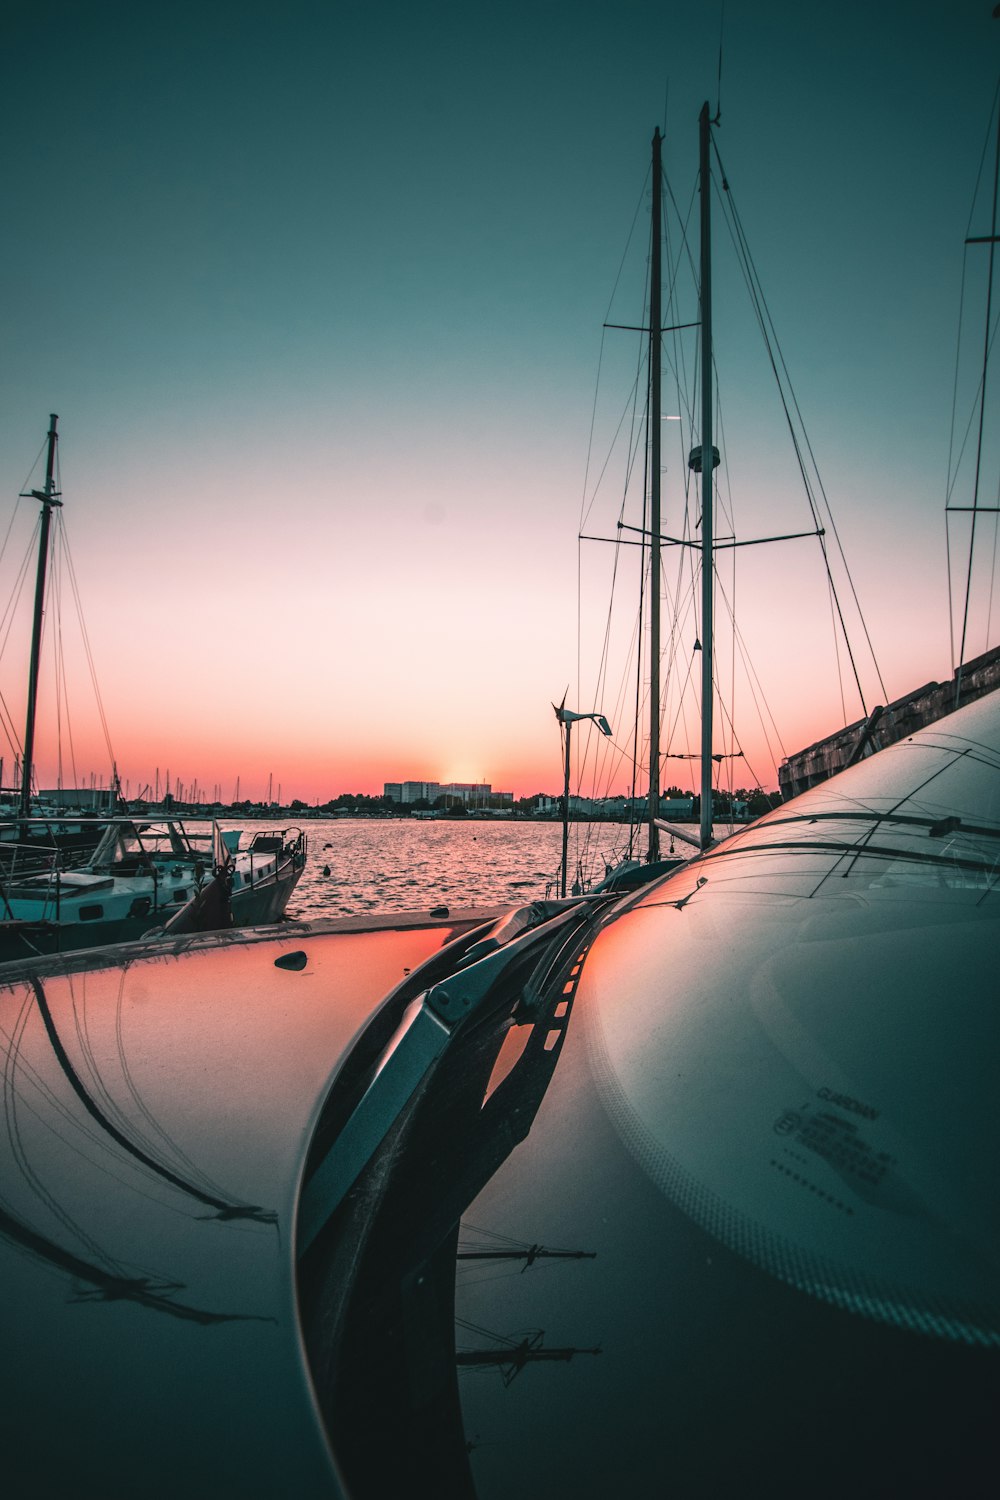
(675, 807)
(80, 798)
(471, 794)
(413, 791)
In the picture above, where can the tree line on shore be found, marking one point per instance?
(749, 802)
(742, 803)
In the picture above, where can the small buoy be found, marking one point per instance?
(439, 911)
(296, 960)
(326, 869)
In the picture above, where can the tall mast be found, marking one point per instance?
(655, 336)
(707, 466)
(48, 500)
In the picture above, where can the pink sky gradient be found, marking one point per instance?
(320, 306)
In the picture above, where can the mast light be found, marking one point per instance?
(694, 459)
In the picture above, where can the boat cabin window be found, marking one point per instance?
(92, 913)
(180, 895)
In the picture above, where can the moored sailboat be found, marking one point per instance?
(70, 882)
(669, 678)
(143, 876)
(32, 832)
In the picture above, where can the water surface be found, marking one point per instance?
(400, 864)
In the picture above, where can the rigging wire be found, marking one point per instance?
(634, 446)
(954, 463)
(729, 514)
(831, 598)
(686, 388)
(726, 505)
(646, 581)
(71, 571)
(950, 480)
(675, 358)
(630, 412)
(628, 415)
(584, 507)
(982, 408)
(679, 625)
(62, 567)
(59, 685)
(6, 623)
(683, 596)
(955, 460)
(790, 404)
(749, 273)
(21, 496)
(993, 565)
(757, 694)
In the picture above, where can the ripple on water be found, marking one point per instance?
(406, 864)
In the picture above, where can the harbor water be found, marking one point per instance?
(409, 864)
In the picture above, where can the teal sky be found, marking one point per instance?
(317, 293)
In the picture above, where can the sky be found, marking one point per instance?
(317, 292)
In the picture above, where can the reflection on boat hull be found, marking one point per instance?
(157, 1101)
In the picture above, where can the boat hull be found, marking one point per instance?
(750, 1114)
(251, 907)
(95, 906)
(149, 1258)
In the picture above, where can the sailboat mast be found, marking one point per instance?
(48, 500)
(655, 336)
(707, 468)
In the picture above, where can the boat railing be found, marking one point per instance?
(20, 860)
(272, 849)
(37, 863)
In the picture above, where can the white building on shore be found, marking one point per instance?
(478, 794)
